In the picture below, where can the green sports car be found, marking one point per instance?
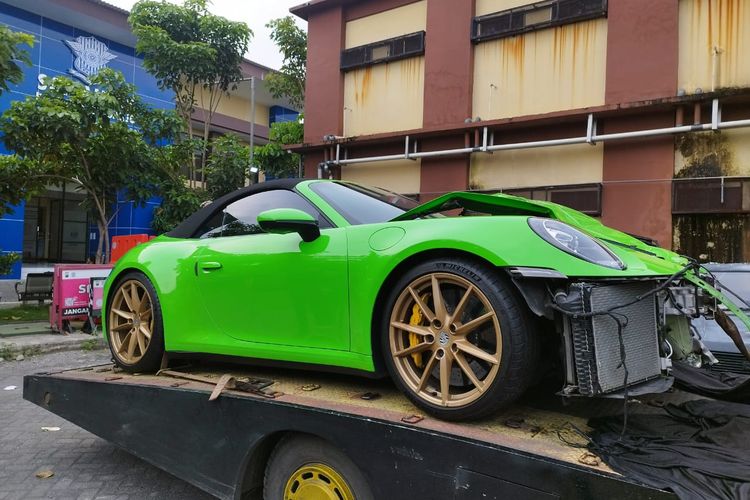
(463, 300)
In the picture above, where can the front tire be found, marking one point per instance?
(303, 467)
(456, 339)
(135, 332)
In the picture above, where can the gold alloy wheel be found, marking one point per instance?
(317, 481)
(131, 321)
(447, 351)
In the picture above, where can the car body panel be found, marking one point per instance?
(190, 329)
(273, 296)
(264, 276)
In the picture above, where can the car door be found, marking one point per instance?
(274, 288)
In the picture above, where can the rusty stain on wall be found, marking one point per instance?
(546, 70)
(713, 45)
(384, 97)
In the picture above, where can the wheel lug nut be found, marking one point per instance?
(453, 328)
(436, 323)
(429, 338)
(440, 353)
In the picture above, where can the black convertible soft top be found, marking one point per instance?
(189, 226)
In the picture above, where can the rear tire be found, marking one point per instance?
(465, 355)
(135, 332)
(306, 466)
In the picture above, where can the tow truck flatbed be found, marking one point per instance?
(223, 446)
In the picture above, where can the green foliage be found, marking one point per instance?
(7, 260)
(272, 158)
(12, 52)
(289, 81)
(19, 180)
(188, 49)
(179, 201)
(291, 132)
(104, 141)
(16, 184)
(227, 166)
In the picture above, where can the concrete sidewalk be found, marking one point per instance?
(17, 328)
(27, 339)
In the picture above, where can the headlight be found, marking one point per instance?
(574, 242)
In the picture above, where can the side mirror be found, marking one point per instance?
(289, 220)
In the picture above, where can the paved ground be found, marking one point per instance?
(32, 338)
(84, 466)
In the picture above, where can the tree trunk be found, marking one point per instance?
(107, 245)
(100, 244)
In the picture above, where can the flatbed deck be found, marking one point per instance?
(529, 451)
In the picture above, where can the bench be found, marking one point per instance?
(38, 286)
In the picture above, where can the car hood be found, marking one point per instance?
(503, 204)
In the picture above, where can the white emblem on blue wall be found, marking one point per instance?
(91, 56)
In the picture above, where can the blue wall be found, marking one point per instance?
(52, 57)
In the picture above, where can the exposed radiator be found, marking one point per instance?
(596, 346)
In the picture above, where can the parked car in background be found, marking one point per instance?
(735, 279)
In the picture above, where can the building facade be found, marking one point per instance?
(634, 111)
(54, 227)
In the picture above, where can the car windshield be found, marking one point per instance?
(735, 285)
(363, 205)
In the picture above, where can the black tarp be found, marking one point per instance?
(699, 449)
(720, 385)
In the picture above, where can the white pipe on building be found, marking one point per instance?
(591, 138)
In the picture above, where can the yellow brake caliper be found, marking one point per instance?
(416, 319)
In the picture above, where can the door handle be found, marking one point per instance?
(207, 267)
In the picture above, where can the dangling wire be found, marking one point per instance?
(621, 324)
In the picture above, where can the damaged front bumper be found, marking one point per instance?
(620, 336)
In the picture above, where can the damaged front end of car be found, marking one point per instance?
(620, 330)
(619, 337)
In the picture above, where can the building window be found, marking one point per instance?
(723, 195)
(586, 198)
(392, 49)
(535, 16)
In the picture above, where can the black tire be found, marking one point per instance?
(296, 451)
(150, 361)
(519, 357)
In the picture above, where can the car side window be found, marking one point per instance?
(241, 217)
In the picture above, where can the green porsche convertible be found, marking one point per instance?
(462, 300)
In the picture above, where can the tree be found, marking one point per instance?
(178, 199)
(182, 201)
(272, 158)
(7, 260)
(289, 81)
(13, 52)
(105, 141)
(14, 184)
(193, 53)
(227, 166)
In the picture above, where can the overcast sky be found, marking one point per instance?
(256, 13)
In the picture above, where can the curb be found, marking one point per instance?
(11, 349)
